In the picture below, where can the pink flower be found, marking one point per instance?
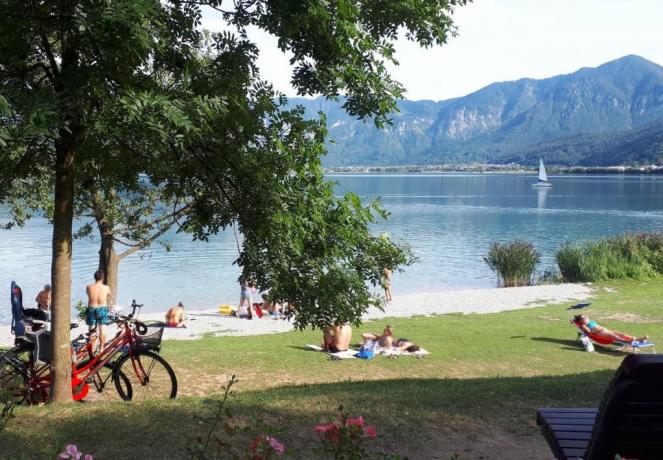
(329, 431)
(370, 432)
(326, 428)
(356, 421)
(276, 445)
(70, 452)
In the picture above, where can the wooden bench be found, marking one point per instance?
(629, 420)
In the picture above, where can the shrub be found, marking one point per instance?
(632, 255)
(346, 438)
(514, 263)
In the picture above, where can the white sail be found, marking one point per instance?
(542, 172)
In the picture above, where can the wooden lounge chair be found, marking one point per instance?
(629, 421)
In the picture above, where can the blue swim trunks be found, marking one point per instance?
(96, 315)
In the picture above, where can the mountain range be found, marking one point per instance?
(603, 116)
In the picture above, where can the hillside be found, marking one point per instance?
(610, 114)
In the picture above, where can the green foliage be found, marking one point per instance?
(80, 309)
(514, 263)
(632, 255)
(310, 248)
(189, 110)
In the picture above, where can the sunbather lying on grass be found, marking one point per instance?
(592, 327)
(385, 340)
(406, 345)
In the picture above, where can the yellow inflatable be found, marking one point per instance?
(227, 309)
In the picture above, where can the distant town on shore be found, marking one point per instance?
(496, 168)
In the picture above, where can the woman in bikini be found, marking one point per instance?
(591, 327)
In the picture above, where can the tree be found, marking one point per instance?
(65, 67)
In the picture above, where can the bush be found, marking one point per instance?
(632, 255)
(514, 263)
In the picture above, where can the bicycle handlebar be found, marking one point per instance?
(134, 305)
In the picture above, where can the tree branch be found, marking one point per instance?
(55, 70)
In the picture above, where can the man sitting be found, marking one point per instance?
(175, 316)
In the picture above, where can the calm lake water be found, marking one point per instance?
(450, 220)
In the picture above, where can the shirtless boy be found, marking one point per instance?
(99, 296)
(175, 316)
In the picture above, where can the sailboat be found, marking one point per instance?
(543, 177)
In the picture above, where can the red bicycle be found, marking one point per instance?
(130, 360)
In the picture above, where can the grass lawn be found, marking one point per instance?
(475, 394)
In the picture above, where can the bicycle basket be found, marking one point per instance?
(151, 340)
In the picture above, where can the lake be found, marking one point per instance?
(450, 220)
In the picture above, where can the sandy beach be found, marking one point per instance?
(210, 322)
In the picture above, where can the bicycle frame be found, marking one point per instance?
(38, 376)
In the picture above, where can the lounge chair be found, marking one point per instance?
(610, 344)
(629, 421)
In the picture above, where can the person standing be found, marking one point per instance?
(386, 283)
(44, 299)
(246, 309)
(96, 314)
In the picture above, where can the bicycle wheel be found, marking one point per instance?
(12, 382)
(14, 366)
(149, 377)
(102, 380)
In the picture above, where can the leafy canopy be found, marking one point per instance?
(136, 87)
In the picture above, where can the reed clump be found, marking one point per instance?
(514, 263)
(636, 256)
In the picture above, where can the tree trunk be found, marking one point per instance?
(69, 136)
(109, 263)
(61, 267)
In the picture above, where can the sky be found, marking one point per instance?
(502, 40)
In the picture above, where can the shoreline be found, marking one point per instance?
(488, 168)
(205, 323)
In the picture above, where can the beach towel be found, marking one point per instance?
(395, 352)
(347, 354)
(388, 352)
